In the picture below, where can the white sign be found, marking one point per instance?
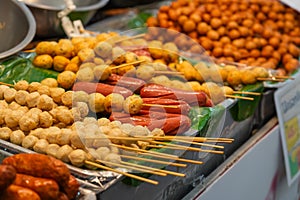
(287, 101)
(295, 4)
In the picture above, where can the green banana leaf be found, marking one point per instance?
(244, 109)
(207, 119)
(20, 67)
(139, 20)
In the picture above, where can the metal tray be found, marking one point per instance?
(172, 187)
(95, 180)
(100, 180)
(84, 193)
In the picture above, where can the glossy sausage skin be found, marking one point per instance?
(71, 188)
(39, 165)
(14, 192)
(192, 98)
(101, 88)
(133, 84)
(7, 176)
(62, 196)
(47, 189)
(180, 107)
(172, 125)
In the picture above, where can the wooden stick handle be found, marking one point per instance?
(154, 161)
(245, 92)
(123, 173)
(145, 151)
(159, 105)
(239, 97)
(151, 168)
(122, 165)
(126, 64)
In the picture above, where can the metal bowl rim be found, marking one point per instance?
(96, 6)
(30, 33)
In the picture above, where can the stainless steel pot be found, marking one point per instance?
(17, 27)
(45, 14)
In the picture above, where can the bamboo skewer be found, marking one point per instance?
(123, 165)
(157, 154)
(159, 105)
(169, 156)
(196, 139)
(239, 97)
(245, 92)
(123, 173)
(153, 161)
(169, 73)
(270, 79)
(199, 144)
(285, 77)
(175, 140)
(185, 139)
(159, 170)
(7, 84)
(131, 37)
(126, 64)
(187, 148)
(178, 159)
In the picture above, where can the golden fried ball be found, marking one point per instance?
(85, 74)
(234, 78)
(16, 137)
(248, 77)
(96, 102)
(5, 133)
(66, 79)
(78, 157)
(46, 47)
(60, 63)
(145, 72)
(32, 99)
(20, 97)
(103, 49)
(133, 104)
(56, 94)
(86, 55)
(9, 94)
(43, 61)
(227, 90)
(80, 96)
(44, 89)
(21, 85)
(33, 87)
(41, 146)
(45, 119)
(113, 102)
(67, 98)
(63, 153)
(29, 141)
(45, 102)
(50, 82)
(64, 48)
(102, 72)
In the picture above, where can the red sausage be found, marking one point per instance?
(47, 189)
(39, 165)
(160, 91)
(170, 125)
(133, 84)
(14, 192)
(71, 188)
(181, 107)
(7, 176)
(102, 88)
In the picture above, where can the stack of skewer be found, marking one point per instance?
(163, 159)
